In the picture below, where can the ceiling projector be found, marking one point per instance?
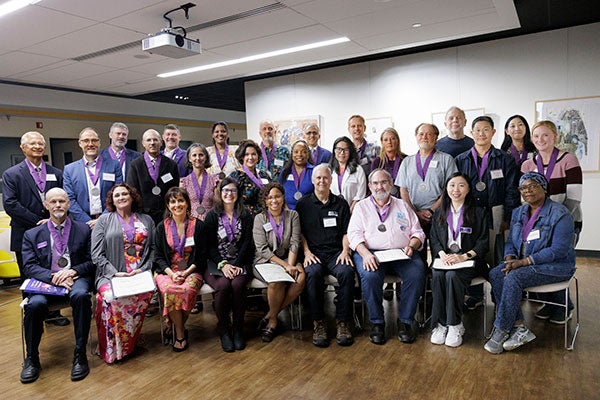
(171, 44)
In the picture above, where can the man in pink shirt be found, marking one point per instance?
(383, 222)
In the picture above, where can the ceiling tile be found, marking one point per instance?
(99, 10)
(18, 62)
(65, 74)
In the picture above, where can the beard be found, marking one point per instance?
(59, 214)
(382, 195)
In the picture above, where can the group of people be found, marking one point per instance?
(209, 215)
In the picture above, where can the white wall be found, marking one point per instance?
(504, 77)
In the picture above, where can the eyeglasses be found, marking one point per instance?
(229, 191)
(311, 133)
(380, 183)
(89, 141)
(341, 150)
(529, 188)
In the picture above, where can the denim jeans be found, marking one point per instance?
(508, 289)
(412, 273)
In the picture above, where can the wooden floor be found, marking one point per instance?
(291, 367)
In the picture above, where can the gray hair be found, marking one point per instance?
(389, 176)
(27, 135)
(119, 125)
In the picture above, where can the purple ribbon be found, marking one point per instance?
(267, 157)
(422, 169)
(200, 190)
(340, 178)
(396, 167)
(178, 243)
(459, 225)
(314, 155)
(59, 242)
(530, 222)
(128, 228)
(361, 149)
(39, 178)
(252, 177)
(229, 228)
(222, 159)
(94, 176)
(152, 169)
(521, 157)
(384, 212)
(277, 229)
(484, 162)
(551, 164)
(113, 155)
(298, 178)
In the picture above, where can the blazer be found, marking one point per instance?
(180, 158)
(164, 251)
(130, 155)
(76, 186)
(22, 201)
(139, 178)
(266, 242)
(108, 247)
(37, 253)
(323, 156)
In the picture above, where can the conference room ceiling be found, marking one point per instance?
(95, 46)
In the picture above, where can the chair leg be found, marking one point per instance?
(572, 345)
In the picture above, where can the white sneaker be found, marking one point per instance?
(454, 336)
(438, 336)
(519, 335)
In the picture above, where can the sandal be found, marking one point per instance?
(180, 349)
(262, 324)
(167, 336)
(268, 334)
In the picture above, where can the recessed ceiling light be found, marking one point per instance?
(417, 25)
(255, 57)
(14, 5)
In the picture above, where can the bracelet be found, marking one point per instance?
(221, 265)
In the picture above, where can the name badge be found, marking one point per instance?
(352, 179)
(264, 181)
(329, 222)
(222, 234)
(189, 241)
(496, 174)
(433, 163)
(167, 177)
(108, 177)
(466, 230)
(41, 245)
(332, 214)
(533, 235)
(363, 161)
(268, 227)
(278, 163)
(51, 178)
(290, 177)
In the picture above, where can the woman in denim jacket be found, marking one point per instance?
(539, 251)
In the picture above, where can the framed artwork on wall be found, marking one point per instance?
(375, 127)
(578, 123)
(289, 130)
(438, 119)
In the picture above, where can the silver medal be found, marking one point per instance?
(62, 262)
(130, 251)
(454, 248)
(221, 175)
(381, 228)
(95, 191)
(156, 190)
(298, 195)
(200, 210)
(422, 187)
(480, 186)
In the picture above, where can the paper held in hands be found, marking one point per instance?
(438, 264)
(273, 273)
(123, 286)
(390, 255)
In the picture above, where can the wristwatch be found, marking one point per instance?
(470, 255)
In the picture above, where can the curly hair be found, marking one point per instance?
(136, 203)
(264, 193)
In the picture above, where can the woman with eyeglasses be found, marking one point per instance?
(230, 253)
(347, 179)
(296, 176)
(539, 251)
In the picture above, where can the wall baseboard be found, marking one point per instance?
(587, 253)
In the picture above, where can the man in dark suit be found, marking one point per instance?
(58, 252)
(172, 137)
(87, 181)
(152, 175)
(118, 139)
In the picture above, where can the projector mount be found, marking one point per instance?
(171, 29)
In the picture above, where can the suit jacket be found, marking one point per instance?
(37, 253)
(139, 178)
(323, 156)
(130, 155)
(180, 158)
(76, 185)
(22, 201)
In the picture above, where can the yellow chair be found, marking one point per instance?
(8, 263)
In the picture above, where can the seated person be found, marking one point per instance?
(58, 252)
(277, 240)
(384, 222)
(459, 232)
(539, 251)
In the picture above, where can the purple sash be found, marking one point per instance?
(128, 228)
(530, 222)
(59, 242)
(152, 169)
(229, 228)
(459, 225)
(113, 155)
(314, 155)
(520, 158)
(179, 243)
(268, 158)
(40, 179)
(200, 190)
(222, 159)
(277, 229)
(484, 162)
(384, 213)
(422, 169)
(551, 164)
(396, 166)
(94, 176)
(252, 177)
(298, 178)
(340, 179)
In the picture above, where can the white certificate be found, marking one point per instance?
(438, 264)
(124, 286)
(273, 273)
(390, 255)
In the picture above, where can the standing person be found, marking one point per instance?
(296, 177)
(456, 142)
(349, 180)
(324, 220)
(152, 175)
(517, 140)
(199, 184)
(180, 253)
(171, 137)
(122, 245)
(311, 134)
(390, 157)
(58, 253)
(539, 251)
(273, 157)
(118, 134)
(493, 174)
(383, 222)
(249, 178)
(277, 238)
(565, 186)
(459, 232)
(366, 151)
(230, 253)
(222, 155)
(87, 181)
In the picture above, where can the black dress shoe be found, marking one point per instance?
(80, 368)
(227, 343)
(55, 318)
(30, 371)
(406, 332)
(377, 334)
(239, 341)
